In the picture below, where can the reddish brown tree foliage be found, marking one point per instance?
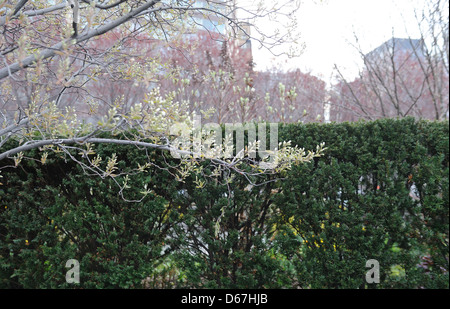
(394, 87)
(291, 96)
(402, 77)
(214, 75)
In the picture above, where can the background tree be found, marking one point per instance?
(402, 77)
(291, 96)
(218, 76)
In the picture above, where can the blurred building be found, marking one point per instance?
(396, 49)
(219, 25)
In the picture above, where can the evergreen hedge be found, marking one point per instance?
(379, 192)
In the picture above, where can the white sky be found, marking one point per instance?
(327, 30)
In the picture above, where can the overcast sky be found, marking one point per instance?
(327, 30)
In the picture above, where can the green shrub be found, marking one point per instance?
(55, 212)
(380, 192)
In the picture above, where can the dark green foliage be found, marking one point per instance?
(380, 192)
(234, 253)
(55, 212)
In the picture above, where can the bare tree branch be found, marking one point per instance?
(19, 7)
(50, 52)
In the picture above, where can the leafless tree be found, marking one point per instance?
(404, 76)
